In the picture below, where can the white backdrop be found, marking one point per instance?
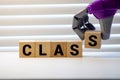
(52, 20)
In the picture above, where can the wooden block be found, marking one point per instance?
(43, 48)
(58, 48)
(74, 48)
(93, 39)
(27, 49)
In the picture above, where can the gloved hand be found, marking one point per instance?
(103, 10)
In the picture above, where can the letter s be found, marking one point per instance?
(92, 38)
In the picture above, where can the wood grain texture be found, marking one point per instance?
(43, 48)
(58, 48)
(27, 49)
(93, 39)
(74, 48)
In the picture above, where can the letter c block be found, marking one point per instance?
(93, 39)
(27, 49)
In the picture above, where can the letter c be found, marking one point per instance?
(24, 50)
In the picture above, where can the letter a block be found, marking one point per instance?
(74, 48)
(93, 39)
(27, 49)
(58, 48)
(43, 48)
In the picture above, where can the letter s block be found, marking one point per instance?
(93, 39)
(74, 48)
(26, 49)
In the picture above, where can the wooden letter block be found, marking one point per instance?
(74, 48)
(93, 39)
(43, 48)
(58, 49)
(27, 49)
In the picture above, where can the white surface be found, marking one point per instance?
(91, 65)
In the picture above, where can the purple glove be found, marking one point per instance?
(103, 8)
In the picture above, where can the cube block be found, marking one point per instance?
(43, 48)
(74, 48)
(27, 49)
(58, 49)
(93, 39)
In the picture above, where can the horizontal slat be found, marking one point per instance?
(28, 30)
(35, 20)
(36, 30)
(14, 40)
(44, 19)
(43, 6)
(41, 9)
(104, 48)
(13, 2)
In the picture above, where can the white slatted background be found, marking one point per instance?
(47, 20)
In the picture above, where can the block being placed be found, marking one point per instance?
(93, 39)
(27, 49)
(43, 48)
(74, 48)
(58, 48)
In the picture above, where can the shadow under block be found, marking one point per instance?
(27, 49)
(58, 48)
(74, 48)
(93, 39)
(43, 48)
